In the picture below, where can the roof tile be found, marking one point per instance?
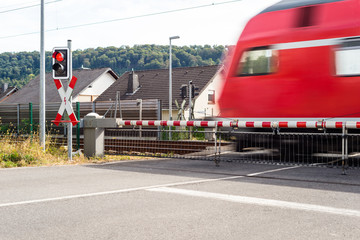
(155, 83)
(30, 92)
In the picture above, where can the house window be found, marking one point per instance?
(258, 62)
(211, 97)
(347, 58)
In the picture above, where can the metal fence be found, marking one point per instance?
(19, 118)
(316, 149)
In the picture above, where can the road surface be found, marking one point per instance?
(179, 199)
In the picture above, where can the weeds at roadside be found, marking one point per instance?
(24, 152)
(19, 152)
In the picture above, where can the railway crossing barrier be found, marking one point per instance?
(260, 144)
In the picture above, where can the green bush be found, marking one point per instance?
(12, 157)
(4, 128)
(29, 159)
(184, 133)
(199, 133)
(9, 164)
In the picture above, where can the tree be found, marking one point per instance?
(19, 68)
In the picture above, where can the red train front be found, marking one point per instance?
(296, 59)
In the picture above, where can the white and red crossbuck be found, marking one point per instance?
(65, 101)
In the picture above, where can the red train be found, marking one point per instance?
(298, 59)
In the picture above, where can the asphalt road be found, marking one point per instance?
(179, 199)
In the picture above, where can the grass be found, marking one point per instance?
(15, 152)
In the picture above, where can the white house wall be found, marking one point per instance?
(96, 89)
(202, 107)
(82, 98)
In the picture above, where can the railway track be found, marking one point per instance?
(156, 146)
(120, 146)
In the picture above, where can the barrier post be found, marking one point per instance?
(94, 133)
(217, 160)
(93, 136)
(344, 152)
(219, 152)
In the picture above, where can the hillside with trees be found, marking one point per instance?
(18, 68)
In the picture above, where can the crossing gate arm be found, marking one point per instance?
(246, 124)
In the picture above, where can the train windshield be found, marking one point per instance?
(348, 58)
(258, 62)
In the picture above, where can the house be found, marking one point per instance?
(90, 84)
(206, 102)
(154, 84)
(6, 91)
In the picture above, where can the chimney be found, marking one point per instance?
(5, 87)
(133, 83)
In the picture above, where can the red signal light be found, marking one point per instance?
(61, 62)
(58, 56)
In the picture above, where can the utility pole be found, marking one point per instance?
(42, 80)
(170, 82)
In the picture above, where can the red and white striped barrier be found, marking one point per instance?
(179, 123)
(245, 124)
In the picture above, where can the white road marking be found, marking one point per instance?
(260, 201)
(271, 171)
(113, 192)
(134, 189)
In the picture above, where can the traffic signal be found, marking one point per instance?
(61, 63)
(194, 90)
(183, 91)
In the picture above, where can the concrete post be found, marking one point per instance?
(94, 133)
(93, 136)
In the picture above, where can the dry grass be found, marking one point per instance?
(16, 152)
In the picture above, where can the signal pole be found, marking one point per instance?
(170, 82)
(42, 81)
(62, 69)
(70, 102)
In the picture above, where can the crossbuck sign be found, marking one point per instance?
(65, 101)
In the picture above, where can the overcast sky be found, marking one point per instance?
(94, 23)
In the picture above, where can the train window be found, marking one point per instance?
(306, 16)
(258, 62)
(347, 58)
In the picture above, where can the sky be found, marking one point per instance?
(94, 23)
